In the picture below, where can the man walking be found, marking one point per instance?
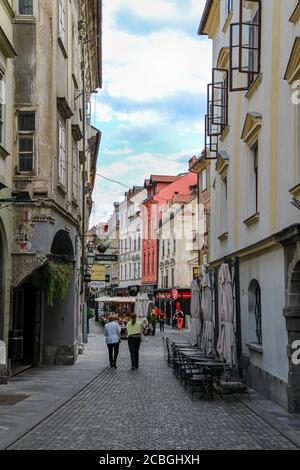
(112, 332)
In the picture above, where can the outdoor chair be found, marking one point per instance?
(229, 382)
(199, 381)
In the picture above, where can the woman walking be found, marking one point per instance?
(112, 332)
(134, 331)
(162, 318)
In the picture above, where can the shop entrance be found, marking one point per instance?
(24, 337)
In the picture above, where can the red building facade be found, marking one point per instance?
(161, 190)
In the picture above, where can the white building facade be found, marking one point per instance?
(130, 243)
(252, 133)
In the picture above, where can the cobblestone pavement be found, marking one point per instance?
(148, 409)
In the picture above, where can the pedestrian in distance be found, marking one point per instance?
(180, 320)
(174, 320)
(134, 332)
(154, 317)
(112, 332)
(162, 319)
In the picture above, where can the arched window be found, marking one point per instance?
(254, 306)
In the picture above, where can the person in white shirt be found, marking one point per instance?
(112, 332)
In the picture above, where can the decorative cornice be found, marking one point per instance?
(76, 132)
(8, 8)
(251, 128)
(223, 58)
(223, 237)
(292, 72)
(296, 14)
(254, 86)
(210, 18)
(64, 108)
(222, 164)
(5, 46)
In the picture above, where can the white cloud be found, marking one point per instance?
(142, 68)
(104, 113)
(122, 151)
(157, 65)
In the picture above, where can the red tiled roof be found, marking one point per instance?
(183, 198)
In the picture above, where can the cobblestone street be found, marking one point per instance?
(148, 409)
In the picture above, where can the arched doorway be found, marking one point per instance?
(292, 314)
(60, 320)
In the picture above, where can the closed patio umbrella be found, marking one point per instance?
(207, 339)
(196, 316)
(144, 305)
(226, 342)
(138, 306)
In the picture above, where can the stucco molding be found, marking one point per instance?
(6, 46)
(296, 14)
(292, 72)
(251, 130)
(223, 58)
(8, 8)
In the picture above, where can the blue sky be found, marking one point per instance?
(151, 107)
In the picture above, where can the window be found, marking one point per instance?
(254, 307)
(203, 180)
(2, 108)
(224, 227)
(26, 134)
(163, 247)
(228, 7)
(139, 270)
(172, 277)
(62, 20)
(254, 185)
(62, 153)
(26, 7)
(245, 46)
(75, 171)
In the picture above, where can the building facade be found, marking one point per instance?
(58, 47)
(252, 141)
(130, 265)
(7, 54)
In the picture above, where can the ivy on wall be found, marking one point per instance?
(55, 278)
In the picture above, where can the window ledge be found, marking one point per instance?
(223, 237)
(227, 22)
(63, 49)
(75, 203)
(295, 191)
(254, 86)
(3, 153)
(25, 19)
(224, 134)
(255, 347)
(254, 219)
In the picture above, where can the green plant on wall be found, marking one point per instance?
(56, 277)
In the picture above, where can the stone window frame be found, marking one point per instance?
(30, 15)
(62, 152)
(2, 108)
(75, 167)
(29, 134)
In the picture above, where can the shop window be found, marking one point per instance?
(245, 46)
(26, 140)
(254, 306)
(26, 7)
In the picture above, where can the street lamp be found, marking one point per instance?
(90, 257)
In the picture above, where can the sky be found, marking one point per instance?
(151, 106)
